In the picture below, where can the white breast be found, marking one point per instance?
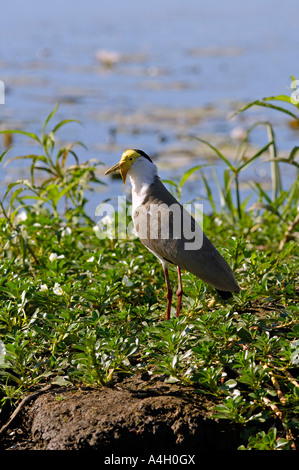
(142, 174)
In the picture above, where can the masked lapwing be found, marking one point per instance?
(169, 231)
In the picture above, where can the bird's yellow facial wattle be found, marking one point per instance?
(127, 158)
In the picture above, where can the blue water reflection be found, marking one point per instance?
(135, 72)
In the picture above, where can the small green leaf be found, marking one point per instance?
(28, 134)
(244, 334)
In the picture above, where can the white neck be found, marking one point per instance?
(142, 174)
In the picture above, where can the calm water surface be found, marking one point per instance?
(145, 75)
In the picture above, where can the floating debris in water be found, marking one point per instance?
(107, 58)
(238, 133)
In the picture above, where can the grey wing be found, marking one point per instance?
(205, 262)
(176, 237)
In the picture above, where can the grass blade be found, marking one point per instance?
(52, 113)
(217, 152)
(28, 134)
(266, 105)
(188, 173)
(62, 123)
(255, 156)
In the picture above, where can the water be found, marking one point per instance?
(146, 74)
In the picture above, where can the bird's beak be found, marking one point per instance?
(112, 169)
(122, 168)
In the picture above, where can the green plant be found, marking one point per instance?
(231, 174)
(266, 441)
(58, 180)
(75, 309)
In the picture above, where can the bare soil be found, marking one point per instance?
(140, 414)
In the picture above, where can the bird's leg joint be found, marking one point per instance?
(169, 293)
(179, 292)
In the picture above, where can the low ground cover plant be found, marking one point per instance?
(79, 310)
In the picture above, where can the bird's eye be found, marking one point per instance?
(131, 158)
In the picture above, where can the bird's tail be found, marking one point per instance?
(224, 294)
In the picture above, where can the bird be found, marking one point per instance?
(167, 230)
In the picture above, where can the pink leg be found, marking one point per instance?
(169, 293)
(179, 293)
